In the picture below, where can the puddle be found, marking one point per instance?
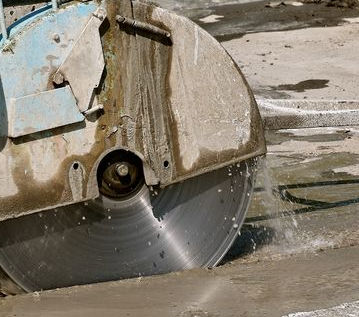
(317, 135)
(302, 86)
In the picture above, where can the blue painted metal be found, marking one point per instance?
(43, 111)
(32, 56)
(29, 59)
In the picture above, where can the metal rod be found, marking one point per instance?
(54, 4)
(2, 21)
(142, 26)
(93, 110)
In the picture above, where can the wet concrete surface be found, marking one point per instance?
(236, 20)
(306, 197)
(265, 288)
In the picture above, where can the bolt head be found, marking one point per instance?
(56, 38)
(122, 170)
(58, 79)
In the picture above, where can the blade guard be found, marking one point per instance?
(179, 102)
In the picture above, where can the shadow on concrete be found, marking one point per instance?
(282, 191)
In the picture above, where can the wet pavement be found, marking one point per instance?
(237, 20)
(264, 288)
(306, 197)
(299, 248)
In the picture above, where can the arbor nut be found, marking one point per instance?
(122, 170)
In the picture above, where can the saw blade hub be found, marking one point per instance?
(120, 174)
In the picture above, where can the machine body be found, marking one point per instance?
(105, 104)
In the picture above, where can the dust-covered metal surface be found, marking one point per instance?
(84, 65)
(180, 103)
(196, 112)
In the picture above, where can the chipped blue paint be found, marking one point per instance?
(31, 55)
(43, 111)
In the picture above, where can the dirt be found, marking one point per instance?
(304, 85)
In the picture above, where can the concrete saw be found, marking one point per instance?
(128, 144)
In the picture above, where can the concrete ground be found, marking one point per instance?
(299, 248)
(265, 288)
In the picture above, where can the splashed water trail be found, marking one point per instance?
(290, 236)
(271, 203)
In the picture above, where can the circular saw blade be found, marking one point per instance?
(186, 225)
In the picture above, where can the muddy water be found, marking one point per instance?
(265, 288)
